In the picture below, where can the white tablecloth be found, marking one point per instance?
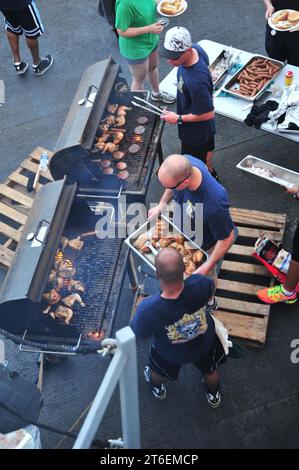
(229, 106)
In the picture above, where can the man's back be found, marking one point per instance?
(181, 329)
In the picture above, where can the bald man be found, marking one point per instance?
(182, 331)
(188, 181)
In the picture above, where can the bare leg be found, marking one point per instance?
(139, 72)
(156, 379)
(153, 73)
(13, 40)
(209, 161)
(212, 381)
(34, 49)
(292, 277)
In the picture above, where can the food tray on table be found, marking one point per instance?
(252, 79)
(161, 233)
(269, 171)
(219, 68)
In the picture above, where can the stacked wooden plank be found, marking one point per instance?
(16, 202)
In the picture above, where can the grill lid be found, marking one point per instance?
(88, 105)
(28, 274)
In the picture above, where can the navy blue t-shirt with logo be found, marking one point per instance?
(14, 5)
(217, 221)
(182, 331)
(195, 96)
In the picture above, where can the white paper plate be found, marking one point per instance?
(276, 26)
(184, 5)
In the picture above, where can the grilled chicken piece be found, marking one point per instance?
(65, 264)
(197, 257)
(76, 285)
(59, 283)
(120, 121)
(100, 145)
(141, 241)
(111, 108)
(118, 137)
(110, 147)
(190, 267)
(103, 138)
(52, 297)
(71, 299)
(65, 313)
(180, 248)
(64, 242)
(122, 110)
(76, 243)
(67, 273)
(118, 155)
(104, 127)
(52, 276)
(110, 120)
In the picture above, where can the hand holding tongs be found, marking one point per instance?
(154, 109)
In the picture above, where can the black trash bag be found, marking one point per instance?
(19, 399)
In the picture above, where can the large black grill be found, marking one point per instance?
(76, 155)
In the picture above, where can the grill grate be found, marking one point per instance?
(95, 268)
(136, 163)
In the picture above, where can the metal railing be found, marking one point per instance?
(123, 368)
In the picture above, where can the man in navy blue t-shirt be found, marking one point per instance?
(187, 181)
(195, 110)
(182, 331)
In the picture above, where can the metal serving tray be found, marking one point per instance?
(233, 82)
(149, 226)
(269, 171)
(214, 64)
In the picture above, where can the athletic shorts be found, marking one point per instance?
(140, 61)
(27, 21)
(207, 365)
(295, 250)
(199, 151)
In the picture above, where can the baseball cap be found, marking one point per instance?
(177, 41)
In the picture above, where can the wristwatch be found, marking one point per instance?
(180, 120)
(296, 196)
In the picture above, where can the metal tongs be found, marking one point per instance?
(154, 109)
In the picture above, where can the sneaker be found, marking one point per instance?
(214, 399)
(158, 392)
(274, 295)
(162, 96)
(43, 66)
(21, 68)
(211, 308)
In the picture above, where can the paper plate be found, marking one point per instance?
(184, 8)
(287, 24)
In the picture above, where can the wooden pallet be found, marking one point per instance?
(16, 202)
(242, 276)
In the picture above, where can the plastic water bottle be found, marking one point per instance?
(44, 161)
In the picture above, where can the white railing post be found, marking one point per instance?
(128, 385)
(123, 368)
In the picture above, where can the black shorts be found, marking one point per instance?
(27, 21)
(207, 365)
(283, 46)
(295, 250)
(199, 151)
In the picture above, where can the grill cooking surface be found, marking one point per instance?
(136, 162)
(95, 266)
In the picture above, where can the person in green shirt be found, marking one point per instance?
(139, 31)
